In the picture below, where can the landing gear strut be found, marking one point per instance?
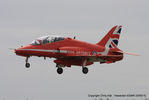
(27, 65)
(84, 69)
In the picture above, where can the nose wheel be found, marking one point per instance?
(27, 65)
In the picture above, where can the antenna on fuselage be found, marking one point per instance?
(74, 37)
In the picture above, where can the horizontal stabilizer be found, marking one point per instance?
(127, 53)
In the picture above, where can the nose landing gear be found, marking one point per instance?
(27, 65)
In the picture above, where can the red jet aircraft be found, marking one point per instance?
(69, 51)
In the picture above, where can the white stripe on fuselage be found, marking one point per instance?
(65, 51)
(43, 50)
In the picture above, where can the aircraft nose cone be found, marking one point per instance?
(22, 50)
(18, 51)
(15, 50)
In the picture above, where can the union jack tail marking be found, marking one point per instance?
(111, 39)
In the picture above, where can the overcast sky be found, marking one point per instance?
(21, 21)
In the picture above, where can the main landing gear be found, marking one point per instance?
(84, 69)
(27, 65)
(59, 68)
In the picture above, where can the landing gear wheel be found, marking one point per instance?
(59, 70)
(85, 70)
(27, 65)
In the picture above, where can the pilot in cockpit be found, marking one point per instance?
(47, 39)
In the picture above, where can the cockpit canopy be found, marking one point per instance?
(47, 39)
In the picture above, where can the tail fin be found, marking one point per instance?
(111, 39)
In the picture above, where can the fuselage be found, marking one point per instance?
(68, 51)
(52, 49)
(69, 46)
